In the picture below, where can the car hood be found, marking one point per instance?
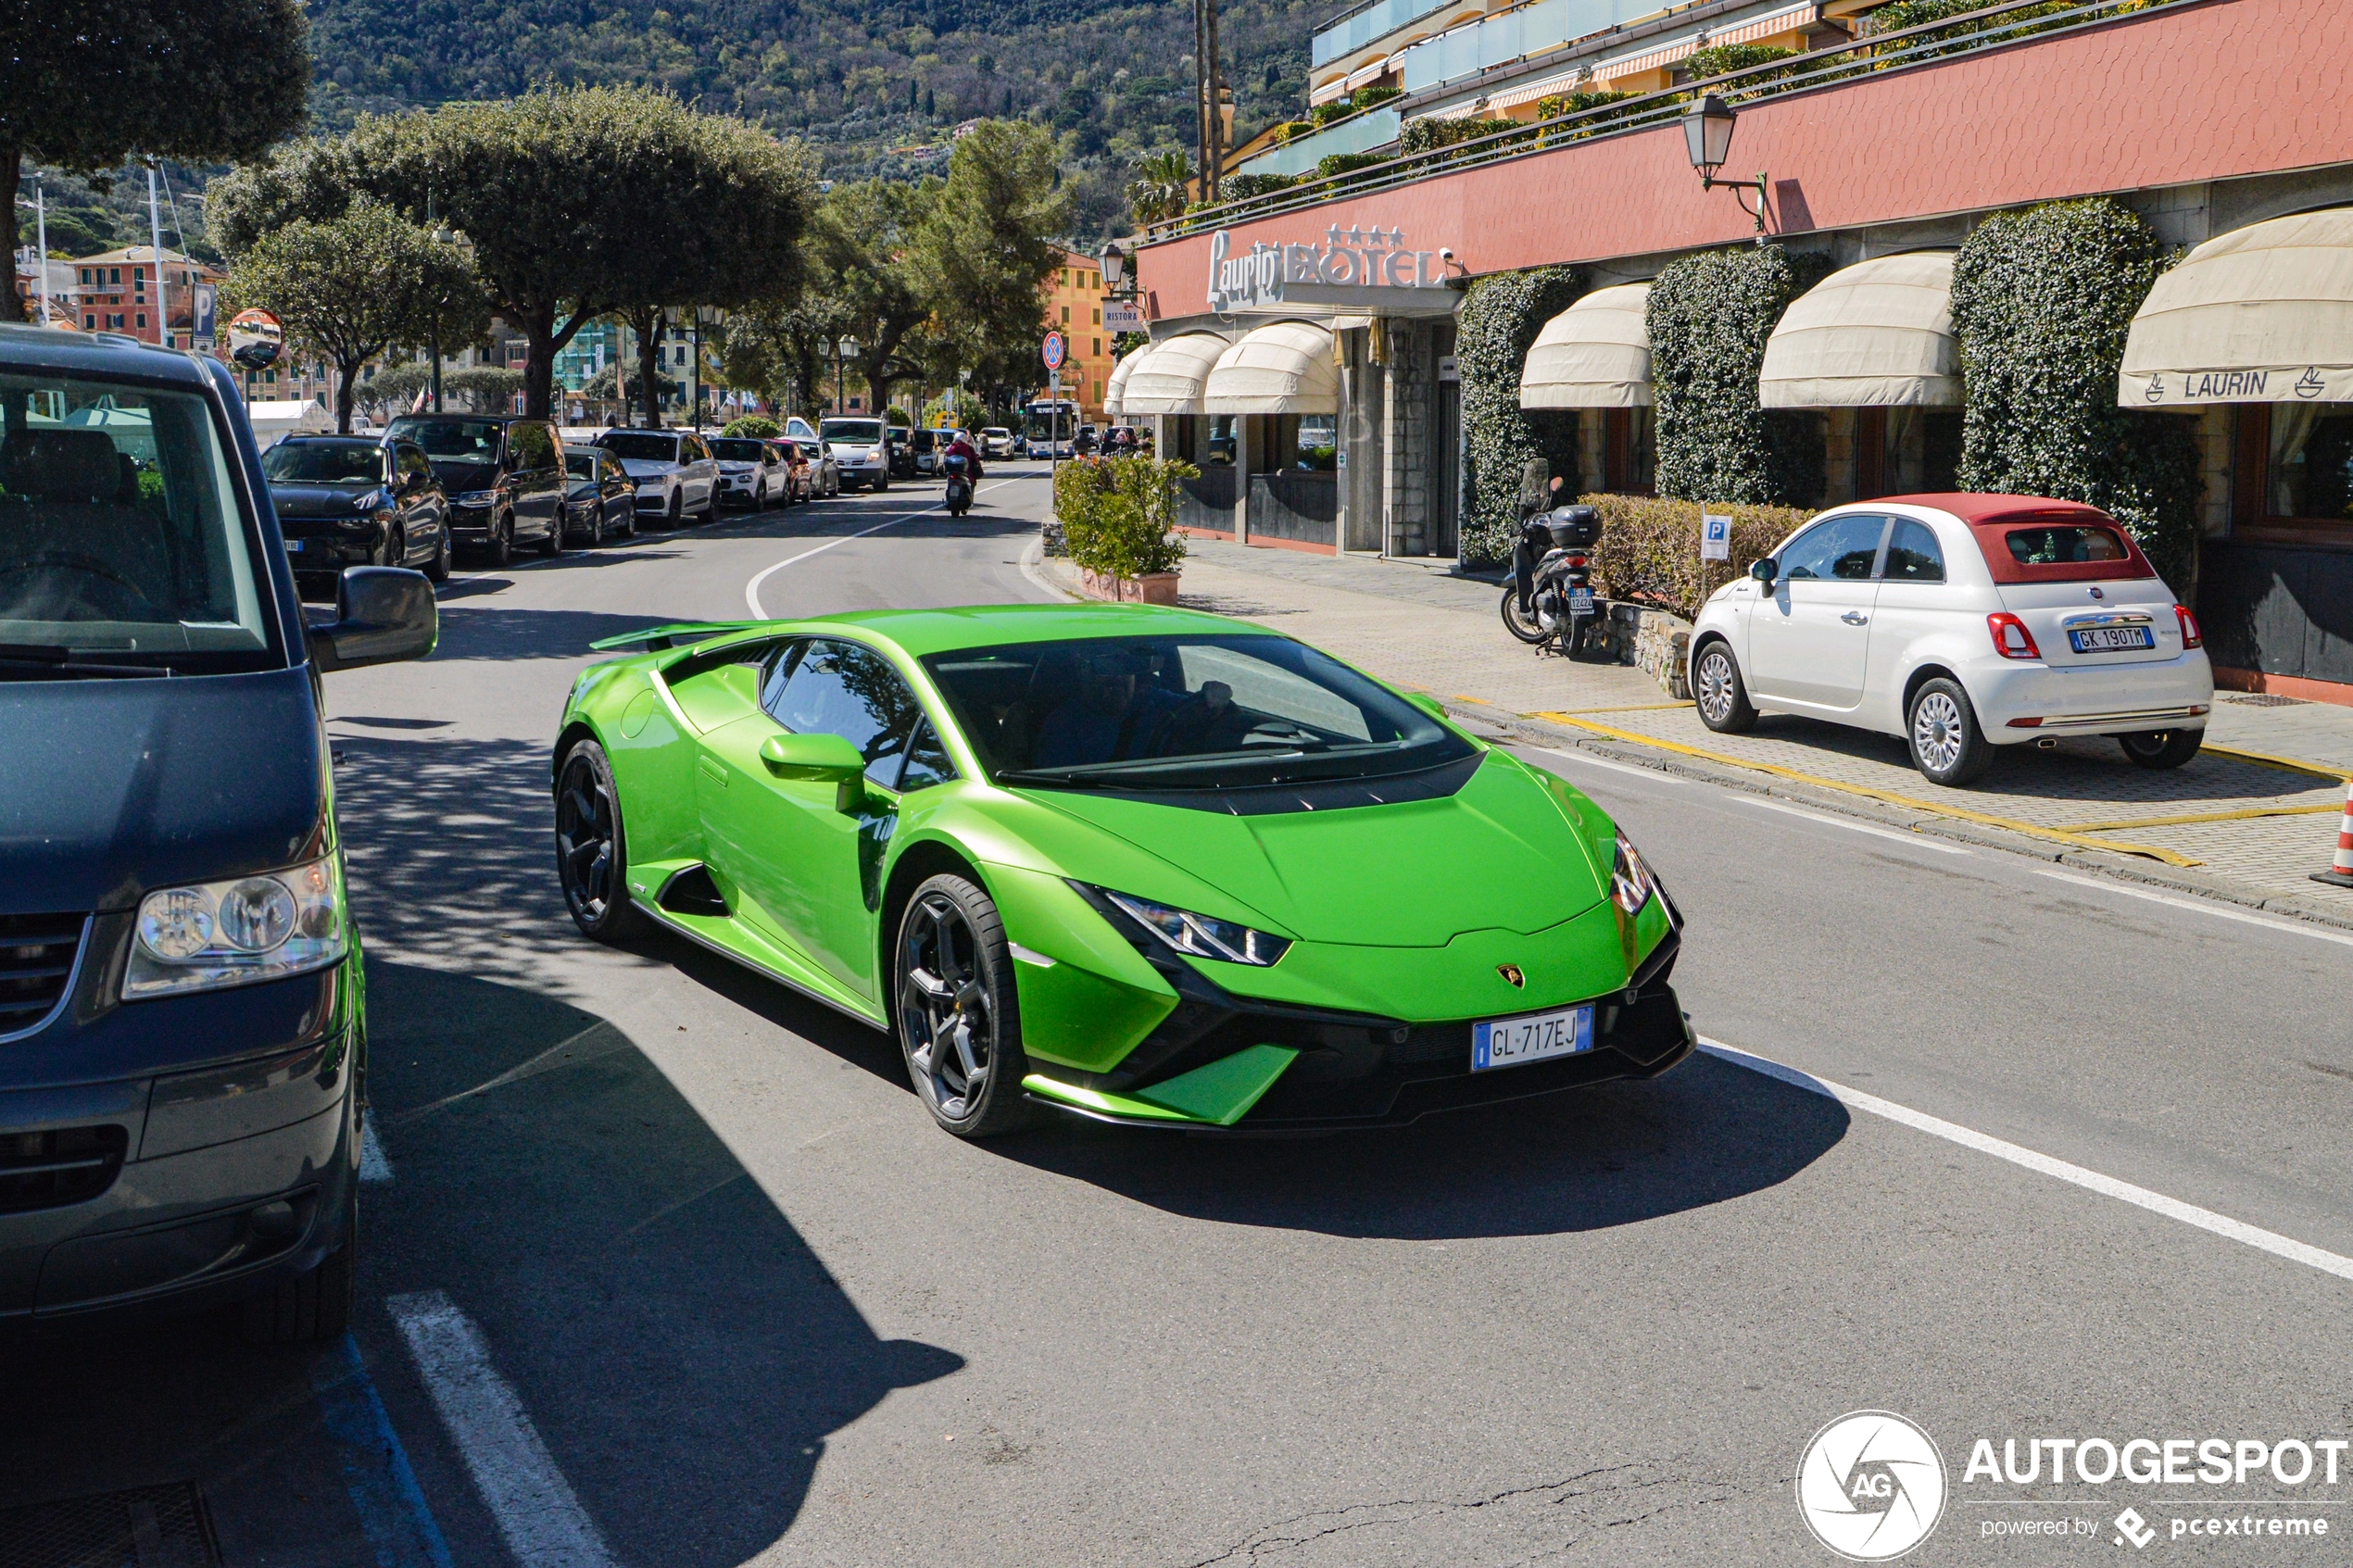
(134, 784)
(459, 478)
(1496, 853)
(732, 467)
(647, 468)
(317, 500)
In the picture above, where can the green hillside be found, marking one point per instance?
(865, 84)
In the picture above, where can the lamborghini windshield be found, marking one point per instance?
(1182, 712)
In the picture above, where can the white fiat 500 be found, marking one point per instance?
(1961, 623)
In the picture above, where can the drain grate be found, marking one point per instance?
(145, 1527)
(2263, 699)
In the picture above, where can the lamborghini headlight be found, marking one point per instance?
(1630, 883)
(239, 932)
(1198, 937)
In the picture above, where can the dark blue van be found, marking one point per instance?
(182, 1024)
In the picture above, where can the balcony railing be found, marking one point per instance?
(1358, 133)
(1971, 31)
(1352, 30)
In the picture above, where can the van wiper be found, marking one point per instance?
(40, 659)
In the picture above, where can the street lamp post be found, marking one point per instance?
(40, 205)
(1707, 137)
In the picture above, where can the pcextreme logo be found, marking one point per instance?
(1871, 1486)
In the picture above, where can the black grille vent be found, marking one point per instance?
(50, 1169)
(36, 960)
(147, 1527)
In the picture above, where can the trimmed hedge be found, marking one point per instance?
(756, 425)
(1429, 135)
(1649, 551)
(1118, 513)
(1709, 316)
(2042, 302)
(1500, 318)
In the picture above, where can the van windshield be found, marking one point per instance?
(449, 439)
(323, 462)
(123, 539)
(852, 432)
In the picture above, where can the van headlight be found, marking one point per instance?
(237, 932)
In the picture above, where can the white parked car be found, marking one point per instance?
(1962, 624)
(749, 472)
(996, 442)
(862, 450)
(675, 474)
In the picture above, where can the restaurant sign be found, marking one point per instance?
(2296, 383)
(1350, 258)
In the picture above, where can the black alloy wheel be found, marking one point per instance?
(592, 858)
(437, 569)
(502, 542)
(677, 507)
(553, 544)
(596, 525)
(2162, 748)
(959, 1020)
(395, 546)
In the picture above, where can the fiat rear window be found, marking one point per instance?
(2067, 545)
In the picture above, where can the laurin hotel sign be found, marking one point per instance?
(1350, 258)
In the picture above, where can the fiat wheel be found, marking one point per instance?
(1947, 746)
(592, 860)
(959, 1021)
(2162, 748)
(1719, 693)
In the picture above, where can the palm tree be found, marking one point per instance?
(1162, 187)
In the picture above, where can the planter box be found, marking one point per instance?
(1159, 588)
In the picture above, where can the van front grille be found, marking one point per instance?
(37, 954)
(65, 1165)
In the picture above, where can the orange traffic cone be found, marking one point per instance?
(2340, 872)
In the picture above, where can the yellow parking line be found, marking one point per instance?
(2244, 814)
(2032, 830)
(1635, 708)
(2318, 770)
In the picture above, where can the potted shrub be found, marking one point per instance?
(1117, 516)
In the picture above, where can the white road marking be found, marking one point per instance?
(534, 1507)
(374, 1166)
(1917, 841)
(751, 589)
(2043, 1164)
(1653, 775)
(2294, 928)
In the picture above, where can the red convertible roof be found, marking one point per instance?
(1992, 517)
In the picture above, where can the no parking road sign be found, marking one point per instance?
(1057, 348)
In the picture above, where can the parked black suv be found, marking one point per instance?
(183, 1042)
(354, 500)
(504, 473)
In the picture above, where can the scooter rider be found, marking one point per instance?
(1537, 498)
(963, 447)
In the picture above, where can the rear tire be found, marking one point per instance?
(678, 509)
(314, 1305)
(2162, 748)
(437, 569)
(591, 848)
(1947, 746)
(956, 1013)
(1720, 693)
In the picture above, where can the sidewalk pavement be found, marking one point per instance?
(2247, 821)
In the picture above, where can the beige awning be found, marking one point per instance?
(1118, 387)
(1596, 353)
(2262, 314)
(1878, 334)
(1169, 378)
(1282, 368)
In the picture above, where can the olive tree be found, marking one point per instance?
(713, 213)
(86, 85)
(355, 284)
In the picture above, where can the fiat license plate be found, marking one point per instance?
(1508, 1042)
(2108, 639)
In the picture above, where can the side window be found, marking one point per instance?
(1912, 554)
(842, 689)
(1843, 547)
(413, 467)
(927, 762)
(530, 446)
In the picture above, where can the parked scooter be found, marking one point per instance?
(960, 485)
(1550, 597)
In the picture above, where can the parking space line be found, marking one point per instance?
(1656, 774)
(536, 1511)
(2043, 1164)
(751, 589)
(393, 1515)
(1917, 841)
(2248, 917)
(374, 1166)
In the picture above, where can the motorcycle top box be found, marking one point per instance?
(1574, 527)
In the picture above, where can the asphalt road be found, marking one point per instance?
(666, 1267)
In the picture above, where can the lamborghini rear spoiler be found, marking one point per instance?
(656, 638)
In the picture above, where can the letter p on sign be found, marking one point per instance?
(1714, 538)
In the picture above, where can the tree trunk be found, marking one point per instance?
(875, 368)
(539, 361)
(11, 309)
(347, 392)
(646, 324)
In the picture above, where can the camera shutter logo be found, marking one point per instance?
(1871, 1486)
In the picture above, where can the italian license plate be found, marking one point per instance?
(1581, 601)
(294, 546)
(1508, 1042)
(2107, 639)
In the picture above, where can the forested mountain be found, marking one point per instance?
(868, 85)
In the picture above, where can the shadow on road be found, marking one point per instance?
(678, 1345)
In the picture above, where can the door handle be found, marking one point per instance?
(1855, 617)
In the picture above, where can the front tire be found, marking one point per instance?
(1720, 693)
(554, 544)
(2162, 748)
(502, 542)
(1525, 626)
(592, 855)
(437, 569)
(316, 1305)
(959, 1021)
(1947, 746)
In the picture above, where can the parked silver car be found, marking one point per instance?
(675, 474)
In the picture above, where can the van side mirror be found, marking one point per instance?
(384, 614)
(1764, 570)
